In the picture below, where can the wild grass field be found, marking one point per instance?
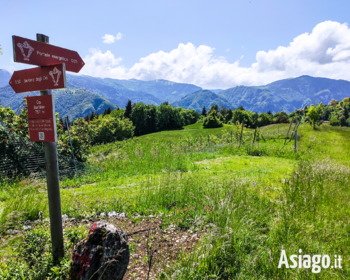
(244, 202)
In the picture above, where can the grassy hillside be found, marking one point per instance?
(239, 205)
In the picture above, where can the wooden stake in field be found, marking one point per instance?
(287, 133)
(240, 139)
(296, 138)
(254, 137)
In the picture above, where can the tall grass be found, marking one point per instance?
(250, 220)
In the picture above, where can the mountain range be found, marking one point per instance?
(85, 94)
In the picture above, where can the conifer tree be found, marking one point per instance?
(204, 112)
(128, 109)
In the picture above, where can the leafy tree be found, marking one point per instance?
(314, 114)
(229, 115)
(128, 109)
(334, 121)
(110, 129)
(342, 121)
(118, 113)
(282, 117)
(151, 119)
(346, 99)
(240, 116)
(223, 110)
(204, 112)
(264, 119)
(214, 108)
(348, 121)
(240, 108)
(254, 120)
(164, 113)
(138, 117)
(346, 112)
(211, 121)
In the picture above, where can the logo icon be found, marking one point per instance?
(54, 72)
(29, 48)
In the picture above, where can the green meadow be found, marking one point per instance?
(256, 197)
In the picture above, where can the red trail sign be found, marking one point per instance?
(40, 78)
(42, 54)
(41, 118)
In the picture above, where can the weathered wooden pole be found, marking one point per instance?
(288, 133)
(53, 186)
(254, 137)
(240, 139)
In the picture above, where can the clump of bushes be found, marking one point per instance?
(334, 121)
(212, 121)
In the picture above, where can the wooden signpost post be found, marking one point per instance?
(53, 62)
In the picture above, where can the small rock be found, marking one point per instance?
(123, 215)
(113, 214)
(64, 218)
(103, 214)
(150, 216)
(27, 227)
(73, 220)
(104, 255)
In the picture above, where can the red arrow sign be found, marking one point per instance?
(41, 54)
(40, 78)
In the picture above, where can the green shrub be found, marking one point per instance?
(211, 121)
(110, 130)
(342, 121)
(282, 118)
(334, 121)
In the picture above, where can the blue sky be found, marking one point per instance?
(213, 44)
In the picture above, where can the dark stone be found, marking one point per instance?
(103, 255)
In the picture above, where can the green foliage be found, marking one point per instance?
(80, 138)
(228, 116)
(204, 112)
(334, 121)
(118, 113)
(282, 117)
(314, 114)
(342, 121)
(264, 119)
(214, 108)
(212, 121)
(110, 129)
(128, 109)
(32, 257)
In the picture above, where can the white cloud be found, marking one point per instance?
(109, 39)
(324, 52)
(100, 64)
(227, 50)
